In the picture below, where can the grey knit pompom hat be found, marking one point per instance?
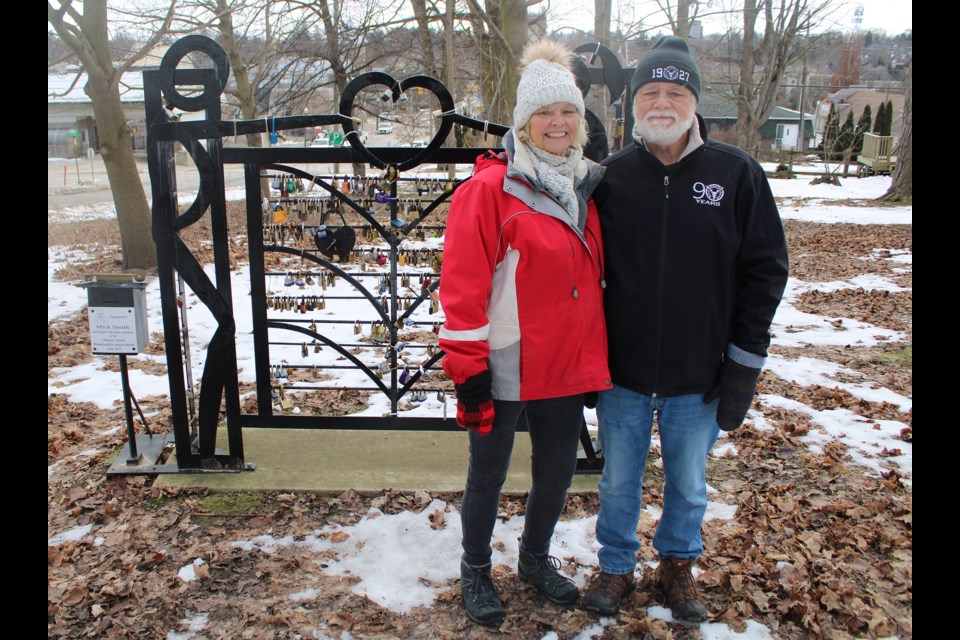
(546, 78)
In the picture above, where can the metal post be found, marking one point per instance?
(135, 457)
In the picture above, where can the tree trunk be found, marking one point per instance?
(745, 130)
(502, 32)
(512, 20)
(901, 190)
(90, 41)
(682, 26)
(426, 41)
(449, 72)
(133, 212)
(601, 21)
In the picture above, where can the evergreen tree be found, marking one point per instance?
(830, 135)
(863, 126)
(845, 140)
(888, 119)
(878, 123)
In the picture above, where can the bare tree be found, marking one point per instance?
(680, 19)
(901, 189)
(240, 24)
(86, 34)
(501, 28)
(762, 64)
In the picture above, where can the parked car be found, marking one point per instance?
(384, 127)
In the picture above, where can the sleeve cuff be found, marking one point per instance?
(745, 358)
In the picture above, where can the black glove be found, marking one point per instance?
(590, 399)
(735, 386)
(475, 403)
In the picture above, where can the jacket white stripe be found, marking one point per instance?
(468, 334)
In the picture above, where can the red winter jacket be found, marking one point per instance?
(521, 284)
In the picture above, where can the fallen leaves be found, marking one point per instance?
(817, 549)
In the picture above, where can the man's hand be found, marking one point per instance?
(736, 386)
(475, 403)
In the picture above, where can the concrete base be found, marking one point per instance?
(330, 461)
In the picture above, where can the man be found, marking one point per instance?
(696, 264)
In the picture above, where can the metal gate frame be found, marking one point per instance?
(196, 439)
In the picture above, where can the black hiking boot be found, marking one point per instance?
(541, 572)
(480, 597)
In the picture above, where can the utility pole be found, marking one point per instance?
(801, 135)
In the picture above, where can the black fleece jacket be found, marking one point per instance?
(696, 259)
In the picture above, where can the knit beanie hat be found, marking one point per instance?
(668, 61)
(546, 78)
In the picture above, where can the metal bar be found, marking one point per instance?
(221, 257)
(390, 155)
(258, 290)
(366, 423)
(160, 164)
(134, 457)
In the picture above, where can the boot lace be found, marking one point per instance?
(680, 584)
(548, 568)
(481, 585)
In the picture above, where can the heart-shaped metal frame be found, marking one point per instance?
(396, 89)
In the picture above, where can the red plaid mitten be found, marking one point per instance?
(475, 403)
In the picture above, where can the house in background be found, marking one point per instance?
(71, 126)
(856, 100)
(781, 131)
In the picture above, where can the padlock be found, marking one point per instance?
(356, 327)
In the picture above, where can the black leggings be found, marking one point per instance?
(555, 425)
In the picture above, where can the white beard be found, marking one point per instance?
(663, 135)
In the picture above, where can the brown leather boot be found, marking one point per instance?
(680, 589)
(605, 591)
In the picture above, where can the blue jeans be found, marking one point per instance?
(688, 430)
(554, 425)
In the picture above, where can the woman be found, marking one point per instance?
(521, 287)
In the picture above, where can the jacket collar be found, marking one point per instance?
(521, 181)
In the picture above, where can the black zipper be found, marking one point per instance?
(663, 251)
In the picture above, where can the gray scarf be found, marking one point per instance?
(556, 175)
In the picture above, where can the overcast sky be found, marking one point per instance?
(892, 16)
